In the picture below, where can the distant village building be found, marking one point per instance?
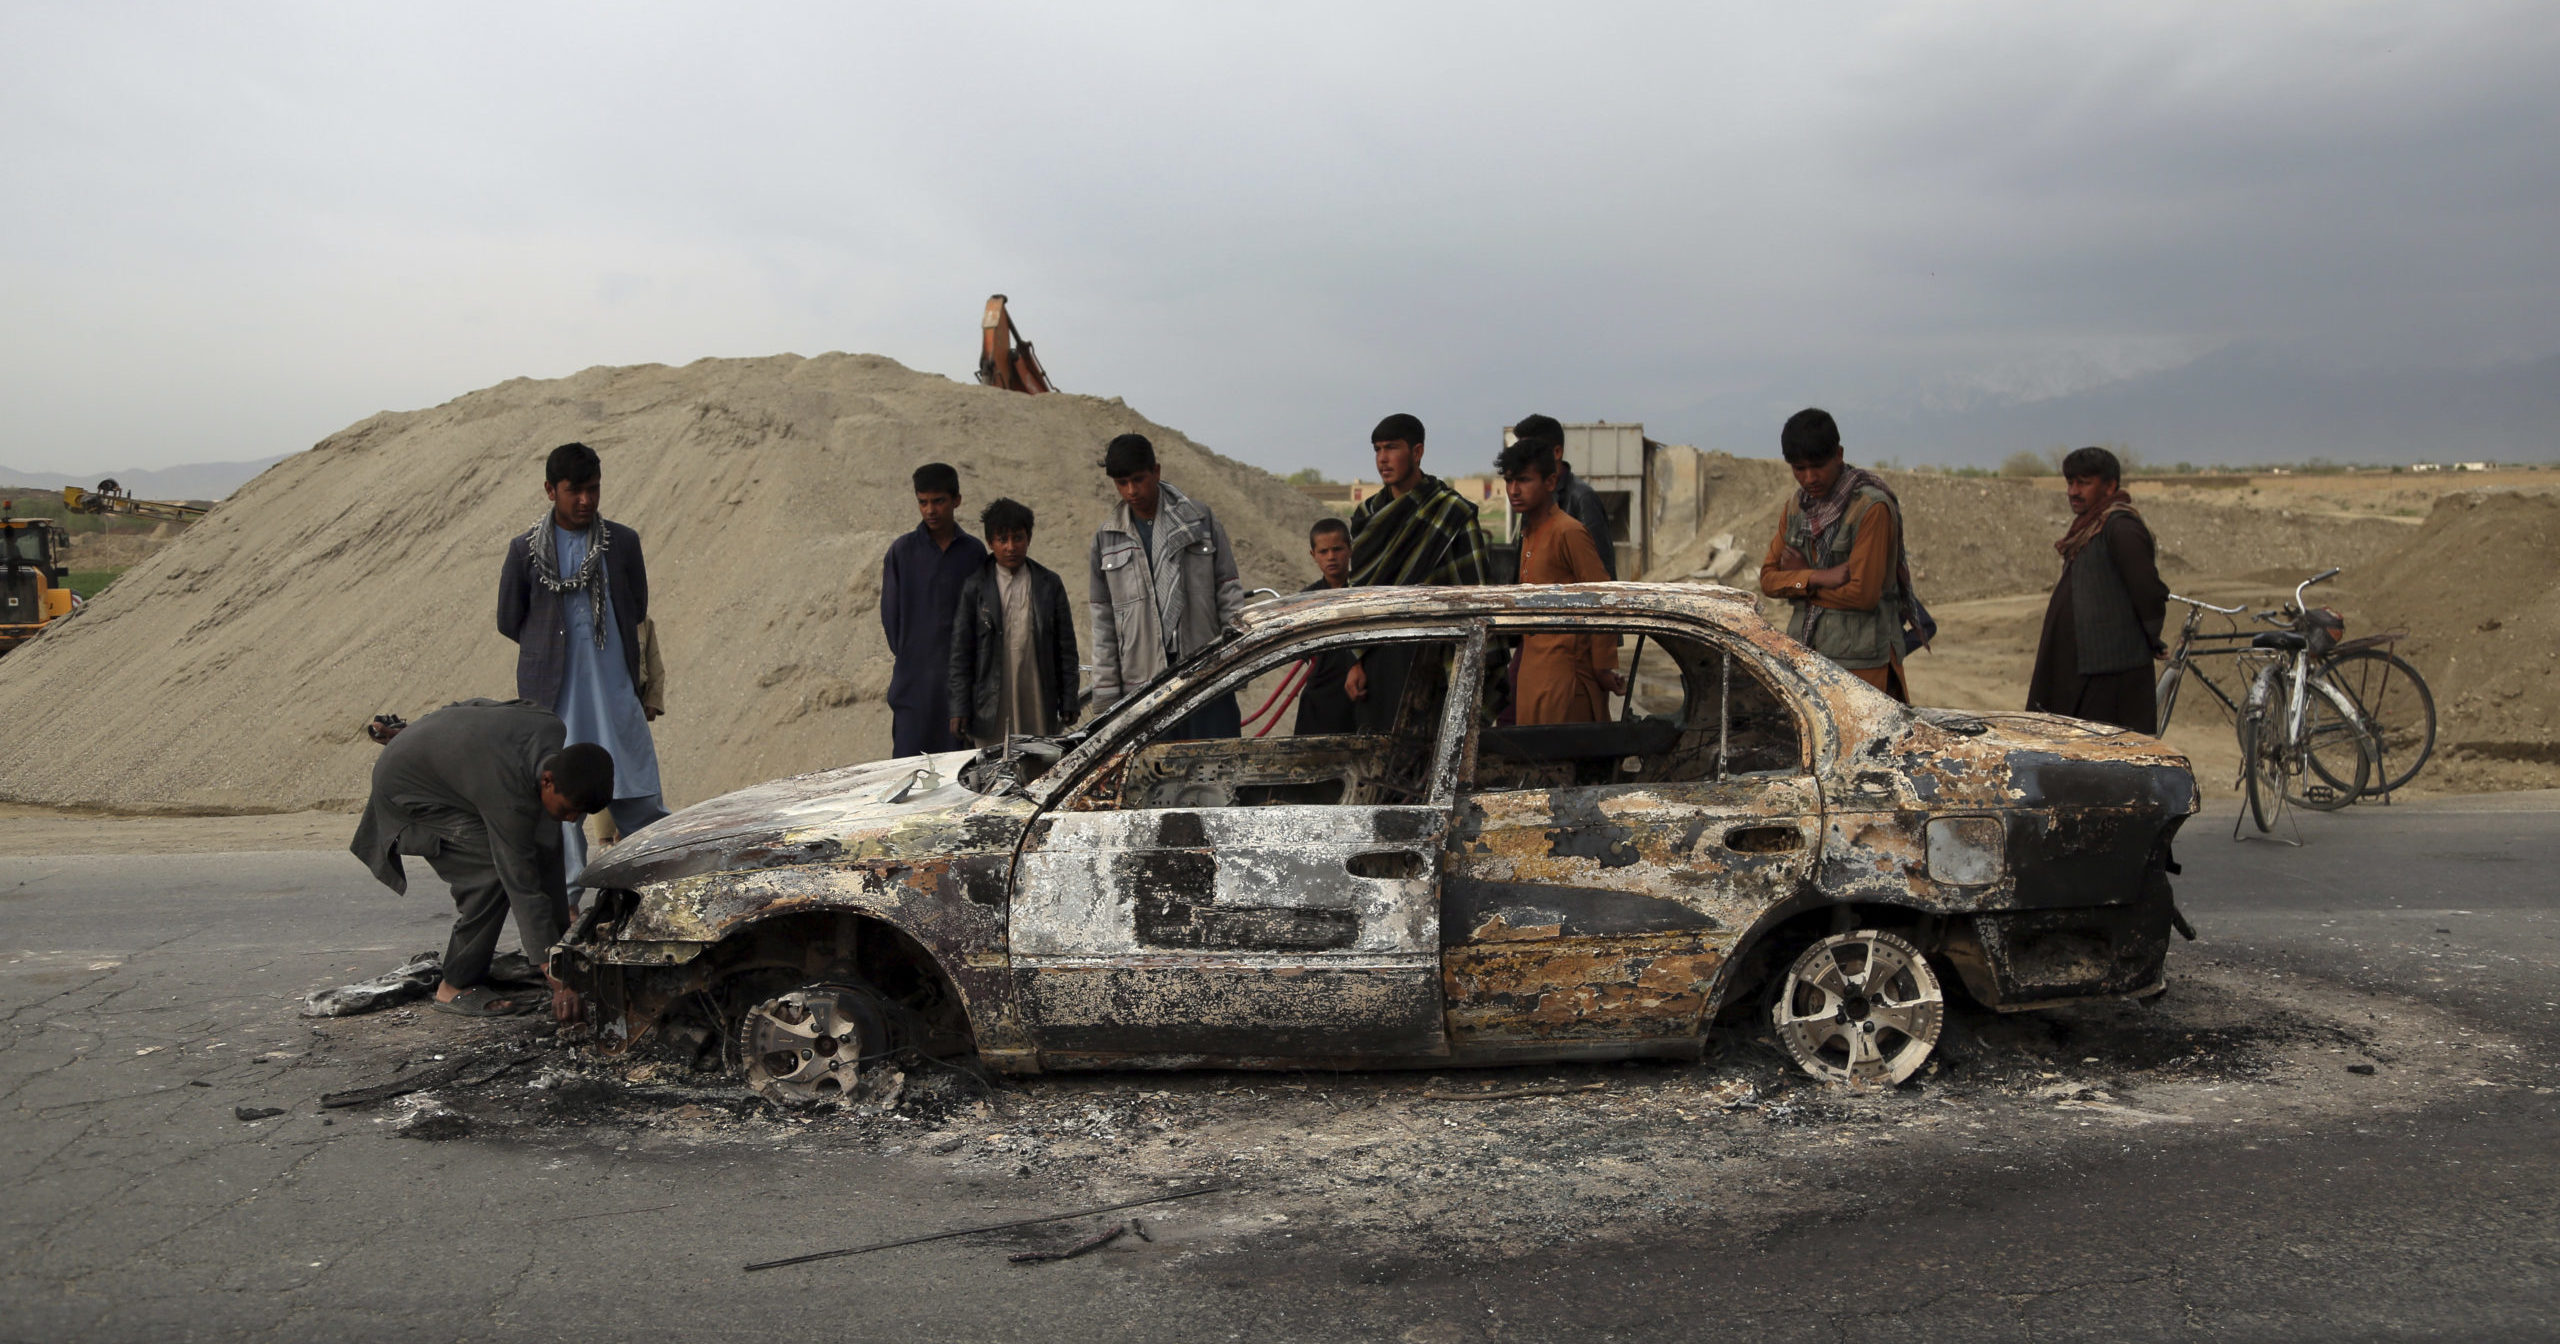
(2426, 466)
(2470, 466)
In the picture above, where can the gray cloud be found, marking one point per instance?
(238, 229)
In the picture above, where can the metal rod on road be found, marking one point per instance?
(991, 1227)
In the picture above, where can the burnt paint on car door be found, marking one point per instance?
(1243, 933)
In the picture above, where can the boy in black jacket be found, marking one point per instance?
(1013, 643)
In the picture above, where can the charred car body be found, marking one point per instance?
(1758, 830)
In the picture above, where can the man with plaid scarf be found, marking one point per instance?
(1415, 530)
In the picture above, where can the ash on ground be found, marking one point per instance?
(1604, 1152)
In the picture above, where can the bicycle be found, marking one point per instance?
(2294, 722)
(2399, 709)
(2395, 705)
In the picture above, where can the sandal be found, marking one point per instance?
(482, 1001)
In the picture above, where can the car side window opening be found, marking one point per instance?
(1386, 768)
(1696, 712)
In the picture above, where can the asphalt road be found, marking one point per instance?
(139, 1207)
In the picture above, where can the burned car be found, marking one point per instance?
(1757, 832)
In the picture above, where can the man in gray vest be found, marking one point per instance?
(1837, 558)
(2102, 624)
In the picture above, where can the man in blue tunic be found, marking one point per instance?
(920, 581)
(572, 595)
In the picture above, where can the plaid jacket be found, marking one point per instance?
(1429, 536)
(538, 621)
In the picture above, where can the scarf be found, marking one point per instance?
(1429, 535)
(1824, 513)
(2084, 527)
(589, 578)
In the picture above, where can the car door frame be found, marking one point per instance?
(1094, 991)
(1628, 959)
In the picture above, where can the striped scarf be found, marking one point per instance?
(1427, 536)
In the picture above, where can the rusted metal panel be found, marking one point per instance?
(1234, 1009)
(1607, 913)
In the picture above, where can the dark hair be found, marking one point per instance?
(1324, 525)
(2084, 463)
(938, 477)
(1523, 455)
(575, 463)
(1539, 429)
(1004, 518)
(1128, 455)
(1810, 439)
(1398, 426)
(581, 772)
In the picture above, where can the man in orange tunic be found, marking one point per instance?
(1563, 678)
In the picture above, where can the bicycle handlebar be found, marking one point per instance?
(2227, 611)
(2322, 577)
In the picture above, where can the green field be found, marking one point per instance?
(87, 582)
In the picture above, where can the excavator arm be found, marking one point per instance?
(111, 498)
(1005, 359)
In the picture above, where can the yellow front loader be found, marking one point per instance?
(32, 594)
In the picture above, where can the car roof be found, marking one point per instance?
(1712, 604)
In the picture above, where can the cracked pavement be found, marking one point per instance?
(144, 996)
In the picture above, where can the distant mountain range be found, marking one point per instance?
(2236, 406)
(196, 480)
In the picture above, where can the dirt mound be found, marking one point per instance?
(233, 670)
(2473, 587)
(1985, 537)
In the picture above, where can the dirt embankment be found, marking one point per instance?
(1975, 537)
(2475, 589)
(233, 669)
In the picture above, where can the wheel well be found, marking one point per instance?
(1768, 949)
(818, 947)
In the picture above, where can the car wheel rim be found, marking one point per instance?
(804, 1046)
(1860, 1008)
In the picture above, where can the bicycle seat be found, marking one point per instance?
(2285, 640)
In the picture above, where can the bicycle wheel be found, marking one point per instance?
(2258, 782)
(2335, 753)
(2399, 712)
(2171, 677)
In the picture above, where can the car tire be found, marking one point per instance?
(1861, 1008)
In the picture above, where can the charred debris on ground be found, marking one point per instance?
(1572, 1151)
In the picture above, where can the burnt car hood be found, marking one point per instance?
(816, 818)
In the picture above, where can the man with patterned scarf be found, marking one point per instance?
(1838, 559)
(2102, 624)
(572, 595)
(1415, 530)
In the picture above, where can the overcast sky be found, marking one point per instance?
(230, 230)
